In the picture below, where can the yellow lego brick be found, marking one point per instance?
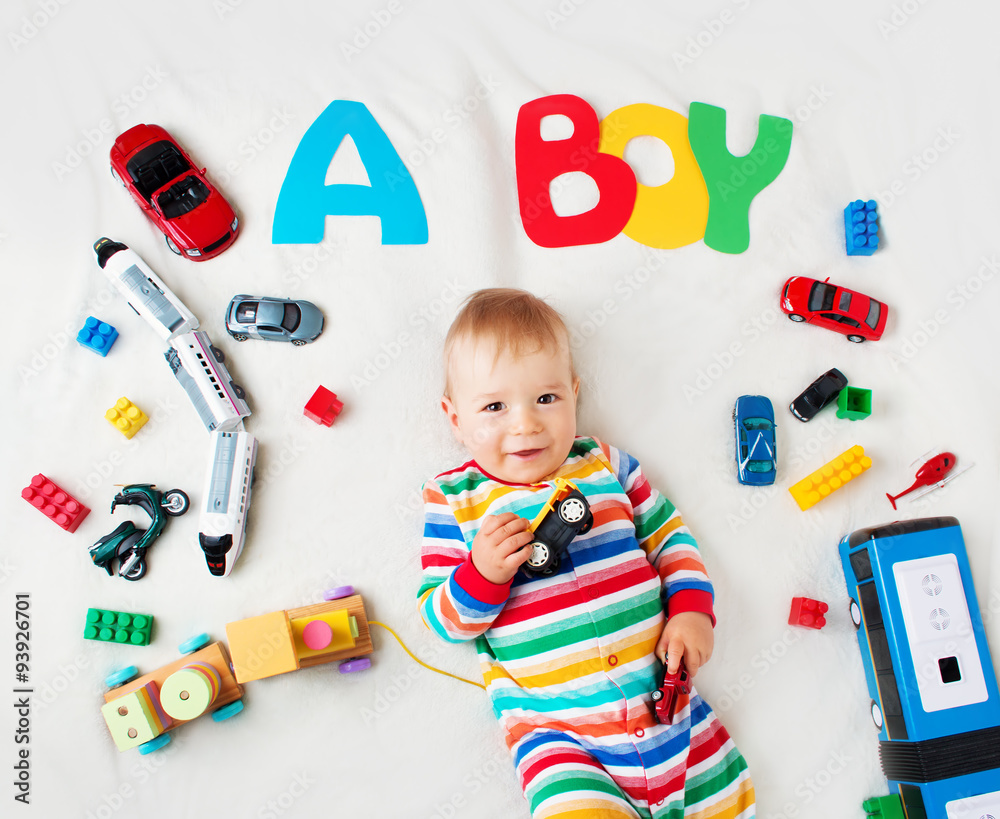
(261, 646)
(830, 477)
(343, 629)
(126, 417)
(132, 719)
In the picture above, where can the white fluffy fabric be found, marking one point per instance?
(891, 101)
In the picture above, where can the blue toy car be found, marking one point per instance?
(756, 456)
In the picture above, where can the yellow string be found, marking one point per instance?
(415, 657)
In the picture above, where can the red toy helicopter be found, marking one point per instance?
(932, 474)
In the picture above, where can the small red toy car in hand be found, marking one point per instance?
(193, 216)
(665, 698)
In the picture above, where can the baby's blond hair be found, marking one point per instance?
(514, 320)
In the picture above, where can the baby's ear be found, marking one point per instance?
(452, 414)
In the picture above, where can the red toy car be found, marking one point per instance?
(666, 696)
(194, 217)
(857, 316)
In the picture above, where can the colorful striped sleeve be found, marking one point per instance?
(667, 542)
(455, 600)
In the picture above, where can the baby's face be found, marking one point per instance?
(516, 416)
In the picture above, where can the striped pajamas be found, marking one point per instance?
(568, 659)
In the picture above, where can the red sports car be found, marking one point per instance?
(194, 217)
(857, 316)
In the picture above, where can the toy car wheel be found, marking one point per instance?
(227, 711)
(219, 355)
(175, 503)
(877, 715)
(338, 592)
(173, 247)
(855, 614)
(298, 342)
(572, 510)
(240, 392)
(241, 336)
(539, 556)
(154, 744)
(350, 666)
(135, 571)
(194, 643)
(796, 317)
(856, 339)
(657, 695)
(121, 676)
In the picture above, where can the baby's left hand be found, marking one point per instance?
(687, 634)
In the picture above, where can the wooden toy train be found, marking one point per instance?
(141, 711)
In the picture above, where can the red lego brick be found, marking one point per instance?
(807, 612)
(57, 505)
(323, 407)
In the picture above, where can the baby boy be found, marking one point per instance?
(570, 657)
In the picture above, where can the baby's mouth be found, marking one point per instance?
(526, 454)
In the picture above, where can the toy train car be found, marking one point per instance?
(283, 641)
(226, 503)
(140, 712)
(934, 697)
(200, 368)
(144, 291)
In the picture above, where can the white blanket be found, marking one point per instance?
(891, 101)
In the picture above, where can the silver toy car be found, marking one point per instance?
(273, 319)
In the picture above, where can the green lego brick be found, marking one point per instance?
(118, 627)
(884, 807)
(854, 403)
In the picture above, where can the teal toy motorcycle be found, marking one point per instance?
(128, 543)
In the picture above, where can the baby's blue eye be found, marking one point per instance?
(548, 398)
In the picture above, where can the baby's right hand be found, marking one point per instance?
(500, 546)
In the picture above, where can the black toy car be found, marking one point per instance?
(817, 395)
(565, 515)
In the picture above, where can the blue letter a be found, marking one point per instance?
(305, 200)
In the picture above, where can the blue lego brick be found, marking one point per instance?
(861, 227)
(97, 336)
